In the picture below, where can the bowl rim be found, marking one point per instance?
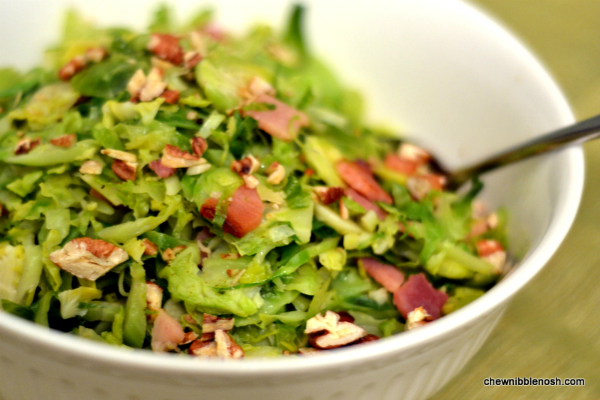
(532, 263)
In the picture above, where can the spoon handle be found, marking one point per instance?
(577, 133)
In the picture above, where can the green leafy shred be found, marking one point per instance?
(220, 203)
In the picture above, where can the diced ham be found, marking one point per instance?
(161, 170)
(487, 247)
(386, 275)
(244, 213)
(418, 292)
(166, 47)
(167, 333)
(366, 203)
(362, 181)
(283, 122)
(401, 165)
(170, 96)
(436, 181)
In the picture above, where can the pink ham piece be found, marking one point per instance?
(167, 334)
(401, 165)
(244, 213)
(366, 203)
(487, 247)
(418, 292)
(387, 275)
(283, 122)
(161, 170)
(361, 180)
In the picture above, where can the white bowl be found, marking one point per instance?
(458, 83)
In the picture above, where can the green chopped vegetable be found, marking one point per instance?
(199, 178)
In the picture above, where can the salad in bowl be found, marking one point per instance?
(191, 191)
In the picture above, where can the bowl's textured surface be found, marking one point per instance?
(458, 83)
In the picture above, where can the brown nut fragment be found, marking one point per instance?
(203, 348)
(369, 338)
(166, 47)
(96, 54)
(154, 296)
(212, 323)
(170, 96)
(136, 83)
(25, 145)
(328, 332)
(245, 166)
(154, 86)
(72, 67)
(276, 175)
(150, 249)
(199, 145)
(64, 140)
(91, 167)
(413, 153)
(174, 157)
(189, 337)
(329, 195)
(169, 254)
(226, 346)
(124, 170)
(344, 212)
(191, 59)
(417, 317)
(251, 181)
(88, 258)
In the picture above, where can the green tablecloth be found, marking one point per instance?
(552, 328)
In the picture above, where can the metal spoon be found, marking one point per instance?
(577, 133)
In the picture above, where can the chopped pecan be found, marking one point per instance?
(96, 54)
(170, 96)
(199, 145)
(120, 155)
(328, 332)
(25, 145)
(209, 208)
(166, 47)
(174, 157)
(226, 346)
(329, 195)
(72, 67)
(223, 346)
(492, 252)
(154, 86)
(245, 166)
(169, 254)
(203, 348)
(91, 167)
(154, 296)
(417, 317)
(150, 249)
(189, 337)
(161, 170)
(191, 59)
(64, 140)
(124, 169)
(212, 323)
(88, 258)
(250, 181)
(259, 86)
(369, 338)
(276, 173)
(136, 83)
(411, 152)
